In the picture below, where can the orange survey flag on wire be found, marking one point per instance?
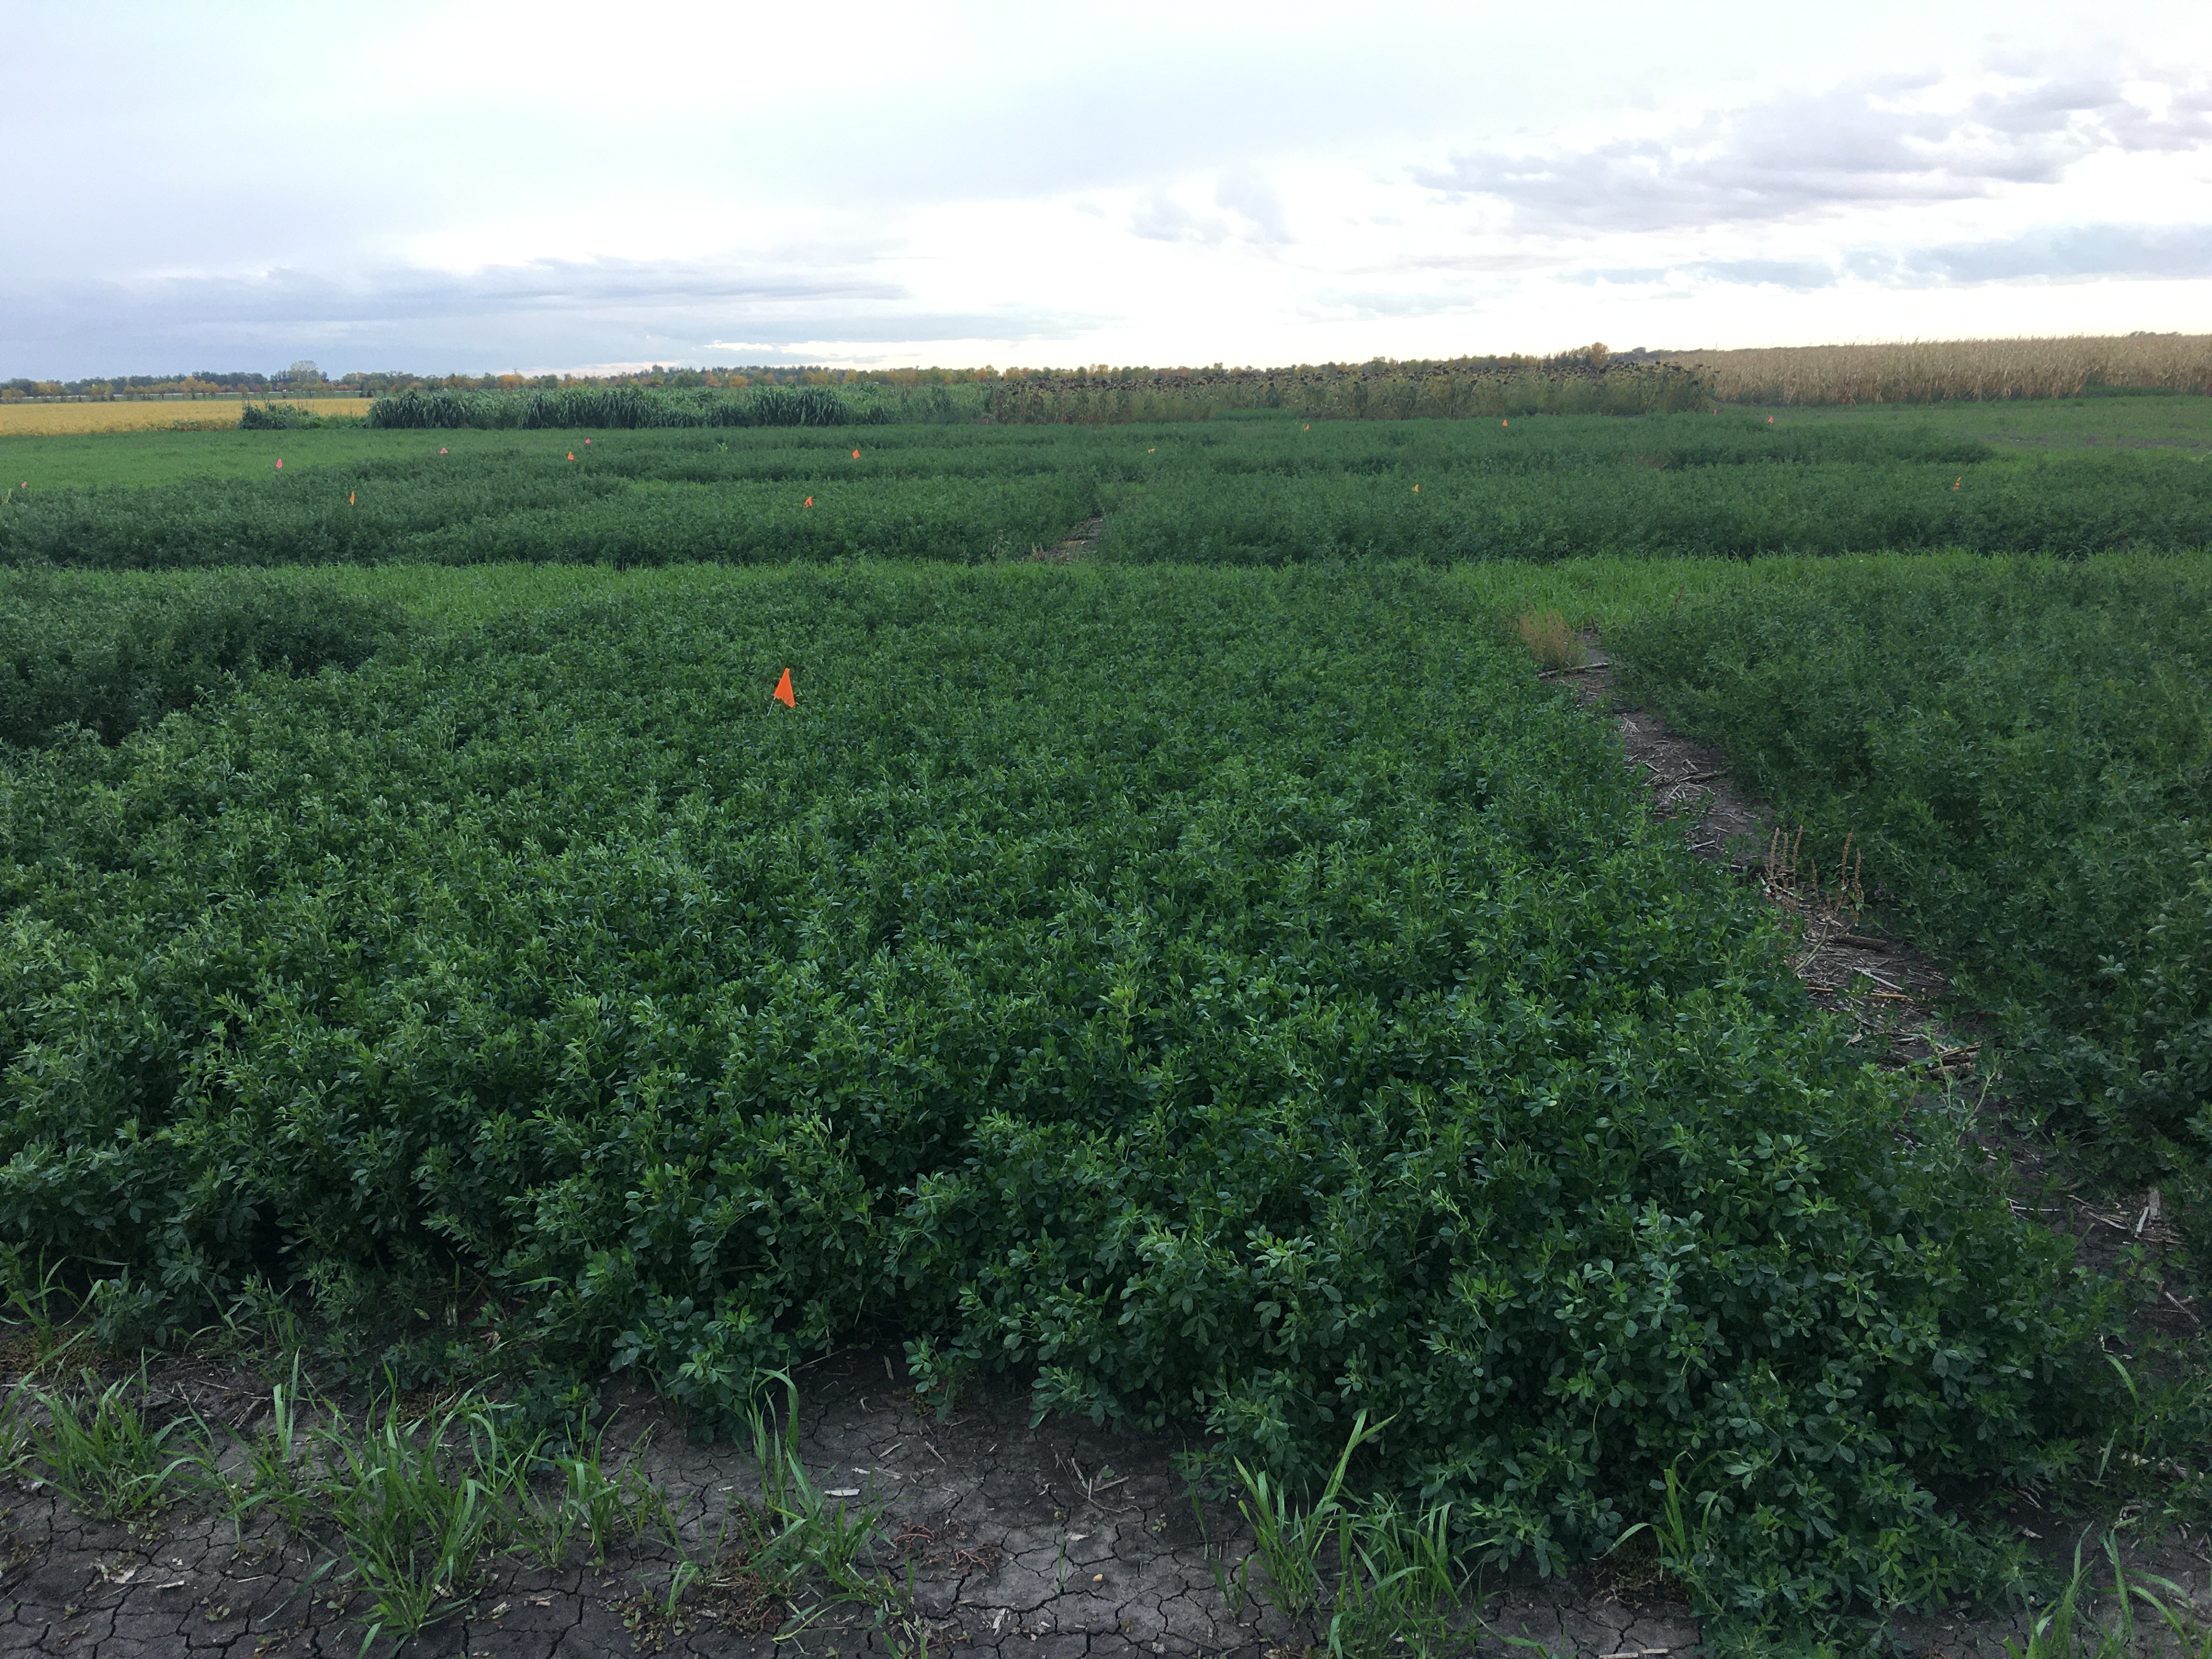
(782, 692)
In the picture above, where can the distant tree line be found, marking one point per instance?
(1588, 379)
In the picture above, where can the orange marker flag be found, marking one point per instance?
(1959, 480)
(349, 495)
(1505, 424)
(572, 455)
(856, 454)
(782, 692)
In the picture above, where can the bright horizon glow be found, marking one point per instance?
(483, 187)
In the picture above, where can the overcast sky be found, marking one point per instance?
(492, 186)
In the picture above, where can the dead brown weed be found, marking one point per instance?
(1549, 640)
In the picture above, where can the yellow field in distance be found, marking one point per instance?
(1931, 370)
(27, 420)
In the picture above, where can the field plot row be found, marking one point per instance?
(2023, 751)
(1231, 998)
(1265, 491)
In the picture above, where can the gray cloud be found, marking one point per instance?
(542, 312)
(1775, 273)
(1779, 273)
(1253, 199)
(2054, 252)
(1253, 212)
(1786, 157)
(2047, 252)
(1160, 218)
(301, 296)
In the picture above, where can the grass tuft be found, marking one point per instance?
(1351, 1579)
(1549, 640)
(102, 1453)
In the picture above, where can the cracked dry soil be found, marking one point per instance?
(1053, 1541)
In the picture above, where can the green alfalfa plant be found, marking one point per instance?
(842, 1258)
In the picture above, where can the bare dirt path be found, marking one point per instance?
(1890, 989)
(1081, 544)
(1051, 1542)
(1894, 993)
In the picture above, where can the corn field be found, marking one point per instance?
(1588, 381)
(1935, 371)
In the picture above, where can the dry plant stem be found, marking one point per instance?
(1792, 881)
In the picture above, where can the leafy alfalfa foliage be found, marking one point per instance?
(2025, 753)
(1261, 492)
(648, 498)
(1575, 383)
(77, 652)
(1226, 997)
(1663, 500)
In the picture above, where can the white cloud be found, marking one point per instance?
(1883, 143)
(919, 181)
(1159, 217)
(1253, 198)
